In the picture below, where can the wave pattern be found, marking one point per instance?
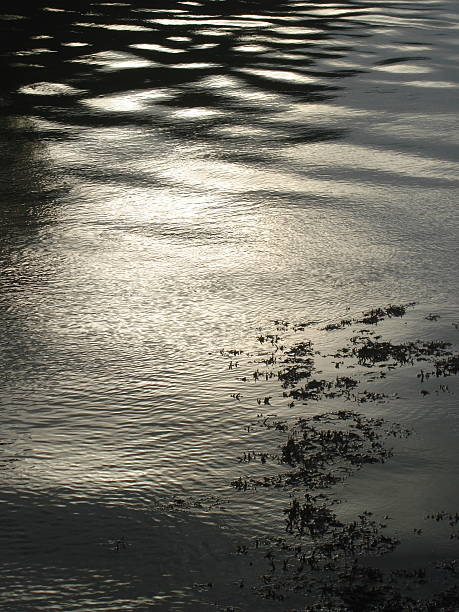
(175, 175)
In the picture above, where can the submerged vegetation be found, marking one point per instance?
(319, 417)
(322, 555)
(372, 317)
(321, 450)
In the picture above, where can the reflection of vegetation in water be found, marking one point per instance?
(322, 555)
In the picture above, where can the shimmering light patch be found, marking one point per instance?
(250, 48)
(129, 102)
(52, 126)
(286, 41)
(238, 131)
(320, 113)
(404, 69)
(210, 32)
(338, 63)
(119, 26)
(205, 46)
(269, 99)
(89, 24)
(277, 17)
(294, 30)
(22, 65)
(384, 31)
(75, 44)
(197, 113)
(179, 38)
(171, 22)
(427, 84)
(406, 47)
(279, 75)
(325, 12)
(220, 81)
(11, 17)
(125, 26)
(158, 10)
(49, 89)
(225, 177)
(50, 9)
(34, 51)
(237, 89)
(282, 55)
(434, 84)
(40, 37)
(205, 16)
(195, 65)
(396, 22)
(156, 47)
(232, 23)
(114, 60)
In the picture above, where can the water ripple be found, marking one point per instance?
(172, 179)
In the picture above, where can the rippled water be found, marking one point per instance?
(173, 177)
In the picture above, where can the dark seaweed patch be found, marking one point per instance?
(369, 352)
(321, 555)
(448, 366)
(373, 317)
(296, 460)
(320, 451)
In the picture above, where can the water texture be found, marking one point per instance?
(175, 176)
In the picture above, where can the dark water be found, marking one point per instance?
(174, 176)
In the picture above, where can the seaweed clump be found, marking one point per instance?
(373, 316)
(370, 351)
(321, 450)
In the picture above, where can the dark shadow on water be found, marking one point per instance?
(242, 62)
(103, 49)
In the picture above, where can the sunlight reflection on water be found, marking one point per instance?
(173, 180)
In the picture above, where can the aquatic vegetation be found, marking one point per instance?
(372, 317)
(326, 427)
(321, 450)
(369, 351)
(448, 366)
(339, 325)
(379, 314)
(323, 555)
(207, 502)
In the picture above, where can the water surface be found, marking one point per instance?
(173, 177)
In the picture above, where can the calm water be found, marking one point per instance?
(175, 175)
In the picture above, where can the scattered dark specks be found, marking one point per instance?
(202, 587)
(120, 544)
(307, 454)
